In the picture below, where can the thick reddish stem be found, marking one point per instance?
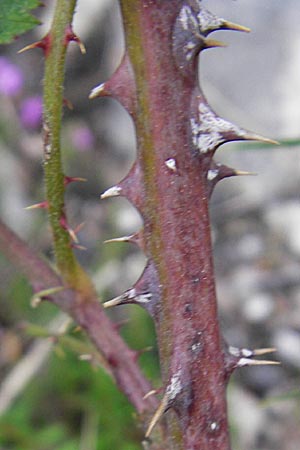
(176, 227)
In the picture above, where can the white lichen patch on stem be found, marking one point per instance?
(171, 164)
(175, 386)
(208, 129)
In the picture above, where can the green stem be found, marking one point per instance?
(55, 51)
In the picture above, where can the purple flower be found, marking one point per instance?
(11, 78)
(82, 138)
(31, 111)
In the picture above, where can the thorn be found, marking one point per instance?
(234, 26)
(130, 296)
(79, 227)
(78, 246)
(97, 91)
(114, 191)
(264, 351)
(69, 230)
(256, 137)
(132, 186)
(44, 44)
(73, 236)
(213, 43)
(41, 205)
(68, 104)
(120, 239)
(38, 297)
(209, 22)
(256, 362)
(218, 172)
(247, 353)
(30, 46)
(114, 302)
(243, 173)
(158, 414)
(173, 389)
(68, 180)
(70, 36)
(120, 86)
(136, 238)
(37, 44)
(226, 172)
(210, 131)
(145, 292)
(35, 302)
(150, 393)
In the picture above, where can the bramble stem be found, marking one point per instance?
(55, 53)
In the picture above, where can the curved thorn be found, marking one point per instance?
(259, 138)
(235, 27)
(73, 236)
(247, 353)
(37, 298)
(264, 351)
(68, 180)
(81, 47)
(114, 191)
(79, 227)
(120, 239)
(30, 47)
(150, 393)
(78, 246)
(120, 86)
(114, 302)
(97, 91)
(243, 173)
(213, 43)
(72, 37)
(44, 44)
(68, 104)
(130, 296)
(158, 414)
(41, 205)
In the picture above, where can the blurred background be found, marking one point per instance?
(54, 395)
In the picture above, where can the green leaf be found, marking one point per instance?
(15, 18)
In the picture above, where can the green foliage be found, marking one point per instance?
(15, 18)
(69, 405)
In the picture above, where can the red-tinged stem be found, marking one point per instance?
(177, 230)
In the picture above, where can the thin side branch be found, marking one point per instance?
(88, 313)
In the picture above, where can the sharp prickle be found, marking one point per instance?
(114, 191)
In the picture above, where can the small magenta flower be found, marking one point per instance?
(31, 112)
(11, 78)
(82, 138)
